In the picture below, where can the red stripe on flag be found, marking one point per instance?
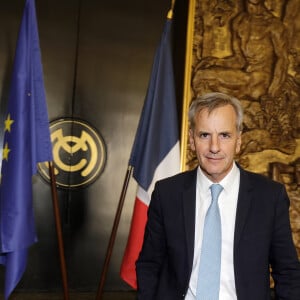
(134, 243)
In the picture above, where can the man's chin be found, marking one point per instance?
(212, 173)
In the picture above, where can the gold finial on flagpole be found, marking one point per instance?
(170, 12)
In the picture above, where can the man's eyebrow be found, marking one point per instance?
(228, 132)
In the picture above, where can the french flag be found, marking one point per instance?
(155, 153)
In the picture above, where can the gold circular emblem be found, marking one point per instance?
(79, 153)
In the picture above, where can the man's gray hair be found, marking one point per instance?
(211, 101)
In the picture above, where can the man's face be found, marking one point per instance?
(215, 140)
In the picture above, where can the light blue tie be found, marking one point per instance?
(210, 260)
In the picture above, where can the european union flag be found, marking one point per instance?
(26, 142)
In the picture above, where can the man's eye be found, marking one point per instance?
(225, 135)
(203, 135)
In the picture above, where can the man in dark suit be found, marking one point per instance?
(252, 211)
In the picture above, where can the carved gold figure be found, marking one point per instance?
(251, 49)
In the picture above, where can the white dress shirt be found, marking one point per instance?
(227, 204)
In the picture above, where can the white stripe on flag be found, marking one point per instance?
(169, 166)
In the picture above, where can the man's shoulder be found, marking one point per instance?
(258, 179)
(182, 177)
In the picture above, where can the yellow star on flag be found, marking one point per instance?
(8, 122)
(5, 152)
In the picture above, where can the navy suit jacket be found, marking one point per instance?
(262, 239)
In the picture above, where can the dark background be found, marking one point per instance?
(97, 57)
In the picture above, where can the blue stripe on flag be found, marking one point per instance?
(158, 127)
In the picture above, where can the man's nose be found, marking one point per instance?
(214, 144)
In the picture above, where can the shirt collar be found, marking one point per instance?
(204, 183)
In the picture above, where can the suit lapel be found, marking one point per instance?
(188, 199)
(243, 206)
(189, 208)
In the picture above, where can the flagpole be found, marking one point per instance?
(58, 231)
(113, 233)
(119, 210)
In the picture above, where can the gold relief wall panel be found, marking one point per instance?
(251, 49)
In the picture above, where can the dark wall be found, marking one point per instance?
(97, 57)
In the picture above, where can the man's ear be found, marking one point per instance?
(238, 143)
